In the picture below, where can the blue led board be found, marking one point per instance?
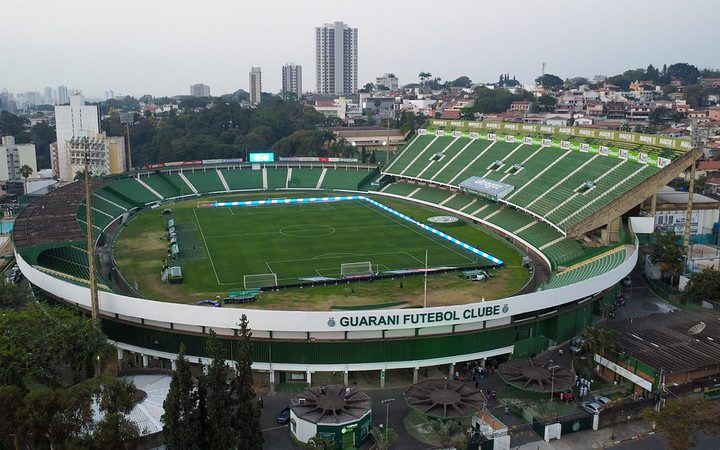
(261, 157)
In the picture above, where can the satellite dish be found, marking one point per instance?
(697, 329)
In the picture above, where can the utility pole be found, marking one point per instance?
(695, 139)
(94, 305)
(387, 402)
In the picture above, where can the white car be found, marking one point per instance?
(602, 401)
(590, 407)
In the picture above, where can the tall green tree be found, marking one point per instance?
(218, 425)
(668, 255)
(682, 417)
(549, 81)
(248, 434)
(703, 285)
(180, 420)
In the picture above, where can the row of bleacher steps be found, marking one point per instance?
(69, 263)
(589, 268)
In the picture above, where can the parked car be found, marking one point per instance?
(590, 407)
(602, 401)
(284, 417)
(576, 345)
(13, 275)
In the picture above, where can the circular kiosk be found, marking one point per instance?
(445, 399)
(540, 374)
(337, 413)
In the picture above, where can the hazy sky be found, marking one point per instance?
(161, 47)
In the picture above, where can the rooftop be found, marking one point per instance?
(672, 341)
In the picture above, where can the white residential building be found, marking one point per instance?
(292, 80)
(336, 58)
(13, 156)
(255, 85)
(388, 80)
(74, 120)
(106, 154)
(63, 98)
(200, 90)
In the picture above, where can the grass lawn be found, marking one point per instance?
(221, 245)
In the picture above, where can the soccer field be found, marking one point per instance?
(297, 241)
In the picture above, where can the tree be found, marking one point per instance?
(383, 437)
(601, 341)
(462, 81)
(661, 116)
(682, 417)
(368, 87)
(12, 125)
(320, 442)
(25, 172)
(217, 431)
(703, 285)
(549, 81)
(546, 102)
(248, 434)
(180, 421)
(687, 73)
(695, 95)
(424, 76)
(667, 254)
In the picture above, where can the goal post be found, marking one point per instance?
(356, 269)
(260, 280)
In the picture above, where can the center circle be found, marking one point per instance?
(307, 230)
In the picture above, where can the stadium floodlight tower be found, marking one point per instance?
(94, 305)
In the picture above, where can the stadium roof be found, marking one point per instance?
(672, 341)
(487, 187)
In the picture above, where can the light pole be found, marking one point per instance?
(387, 402)
(552, 370)
(387, 153)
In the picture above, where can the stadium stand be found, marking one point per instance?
(547, 180)
(589, 268)
(539, 234)
(131, 189)
(304, 177)
(243, 179)
(347, 178)
(276, 177)
(205, 181)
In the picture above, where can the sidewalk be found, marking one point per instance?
(604, 438)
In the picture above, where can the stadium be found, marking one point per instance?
(345, 268)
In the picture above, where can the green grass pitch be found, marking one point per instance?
(311, 240)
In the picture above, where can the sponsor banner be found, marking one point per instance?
(509, 138)
(212, 161)
(474, 135)
(603, 150)
(457, 134)
(528, 140)
(584, 147)
(193, 163)
(456, 123)
(492, 137)
(546, 142)
(662, 162)
(565, 145)
(623, 154)
(439, 132)
(422, 131)
(322, 159)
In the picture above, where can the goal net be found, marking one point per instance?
(356, 269)
(260, 280)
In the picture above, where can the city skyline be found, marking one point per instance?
(492, 45)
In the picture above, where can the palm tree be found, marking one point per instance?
(600, 341)
(25, 172)
(424, 76)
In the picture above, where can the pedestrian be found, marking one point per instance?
(260, 402)
(507, 410)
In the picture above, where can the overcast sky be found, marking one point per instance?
(161, 47)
